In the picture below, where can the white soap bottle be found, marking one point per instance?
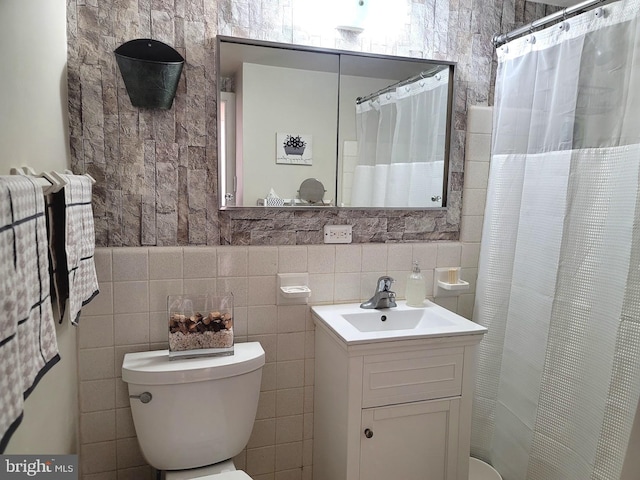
(416, 288)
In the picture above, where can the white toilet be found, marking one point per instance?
(192, 416)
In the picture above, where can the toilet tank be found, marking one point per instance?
(201, 411)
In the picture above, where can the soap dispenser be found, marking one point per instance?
(416, 288)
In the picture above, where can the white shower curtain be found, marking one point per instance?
(559, 275)
(401, 140)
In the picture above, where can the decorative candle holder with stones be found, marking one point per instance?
(200, 325)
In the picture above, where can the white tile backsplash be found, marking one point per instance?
(374, 257)
(263, 261)
(263, 434)
(448, 255)
(98, 457)
(476, 175)
(261, 460)
(96, 363)
(292, 259)
(97, 395)
(478, 147)
(290, 346)
(159, 290)
(165, 263)
(98, 426)
(348, 258)
(399, 256)
(232, 262)
(128, 453)
(470, 255)
(199, 262)
(473, 201)
(132, 328)
(130, 264)
(480, 119)
(131, 297)
(289, 401)
(124, 423)
(289, 429)
(321, 258)
(103, 262)
(291, 318)
(96, 331)
(262, 319)
(289, 374)
(471, 228)
(261, 290)
(426, 254)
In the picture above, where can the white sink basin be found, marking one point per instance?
(392, 319)
(357, 325)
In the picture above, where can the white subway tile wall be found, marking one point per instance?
(474, 193)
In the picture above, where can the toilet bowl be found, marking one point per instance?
(478, 470)
(192, 416)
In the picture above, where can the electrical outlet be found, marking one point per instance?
(337, 234)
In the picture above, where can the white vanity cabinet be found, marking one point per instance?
(397, 409)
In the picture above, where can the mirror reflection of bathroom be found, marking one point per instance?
(373, 129)
(393, 135)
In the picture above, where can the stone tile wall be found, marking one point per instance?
(156, 171)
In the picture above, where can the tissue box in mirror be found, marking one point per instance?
(274, 202)
(200, 325)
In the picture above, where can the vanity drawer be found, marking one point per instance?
(411, 376)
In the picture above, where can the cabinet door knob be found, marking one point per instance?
(368, 432)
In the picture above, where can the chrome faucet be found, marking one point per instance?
(383, 296)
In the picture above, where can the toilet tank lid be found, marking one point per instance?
(155, 368)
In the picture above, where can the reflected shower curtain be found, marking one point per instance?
(559, 275)
(401, 138)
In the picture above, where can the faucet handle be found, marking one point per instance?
(384, 283)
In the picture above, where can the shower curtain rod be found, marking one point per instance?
(424, 74)
(581, 7)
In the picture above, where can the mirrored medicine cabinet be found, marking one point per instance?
(309, 127)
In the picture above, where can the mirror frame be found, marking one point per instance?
(220, 39)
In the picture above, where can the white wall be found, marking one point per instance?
(33, 131)
(33, 84)
(286, 110)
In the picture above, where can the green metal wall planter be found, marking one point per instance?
(151, 71)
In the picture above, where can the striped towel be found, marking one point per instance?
(28, 346)
(79, 244)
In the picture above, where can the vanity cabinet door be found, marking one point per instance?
(411, 441)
